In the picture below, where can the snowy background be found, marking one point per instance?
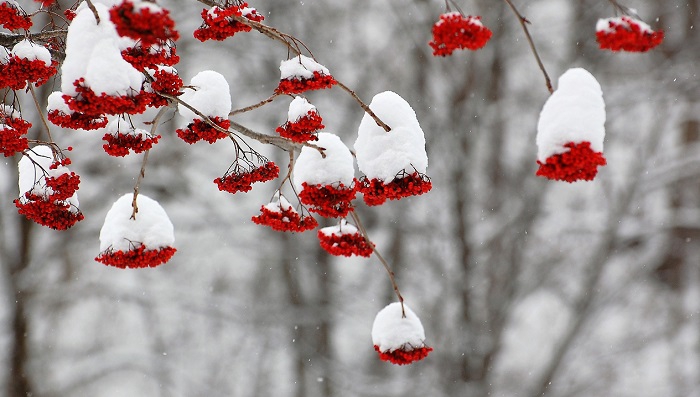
(523, 285)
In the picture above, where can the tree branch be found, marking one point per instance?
(523, 22)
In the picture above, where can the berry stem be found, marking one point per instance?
(383, 261)
(38, 109)
(97, 16)
(255, 106)
(364, 106)
(142, 172)
(523, 22)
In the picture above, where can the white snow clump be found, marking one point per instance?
(382, 154)
(152, 227)
(314, 169)
(34, 168)
(299, 108)
(30, 51)
(301, 67)
(391, 331)
(211, 96)
(575, 112)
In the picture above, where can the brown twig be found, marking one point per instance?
(364, 107)
(41, 113)
(255, 106)
(523, 22)
(291, 43)
(94, 11)
(142, 172)
(383, 261)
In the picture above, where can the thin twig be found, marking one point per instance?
(364, 107)
(383, 261)
(285, 38)
(523, 22)
(255, 106)
(142, 173)
(41, 113)
(94, 11)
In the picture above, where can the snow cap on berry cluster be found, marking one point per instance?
(301, 67)
(298, 108)
(34, 167)
(382, 154)
(574, 113)
(391, 331)
(337, 166)
(211, 96)
(92, 53)
(152, 227)
(25, 49)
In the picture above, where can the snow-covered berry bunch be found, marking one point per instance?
(626, 34)
(453, 31)
(398, 335)
(344, 239)
(394, 162)
(136, 237)
(210, 96)
(221, 23)
(301, 74)
(282, 217)
(303, 121)
(27, 63)
(325, 181)
(571, 129)
(47, 189)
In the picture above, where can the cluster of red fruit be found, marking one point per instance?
(51, 208)
(297, 85)
(404, 356)
(376, 192)
(220, 23)
(303, 129)
(199, 130)
(12, 135)
(138, 257)
(241, 180)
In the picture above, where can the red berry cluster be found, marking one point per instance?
(199, 130)
(91, 104)
(403, 357)
(579, 163)
(12, 18)
(346, 244)
(77, 120)
(45, 3)
(456, 32)
(69, 14)
(302, 130)
(18, 71)
(51, 209)
(120, 144)
(144, 25)
(284, 220)
(136, 258)
(628, 36)
(297, 85)
(150, 57)
(376, 192)
(165, 82)
(12, 131)
(220, 24)
(328, 200)
(242, 180)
